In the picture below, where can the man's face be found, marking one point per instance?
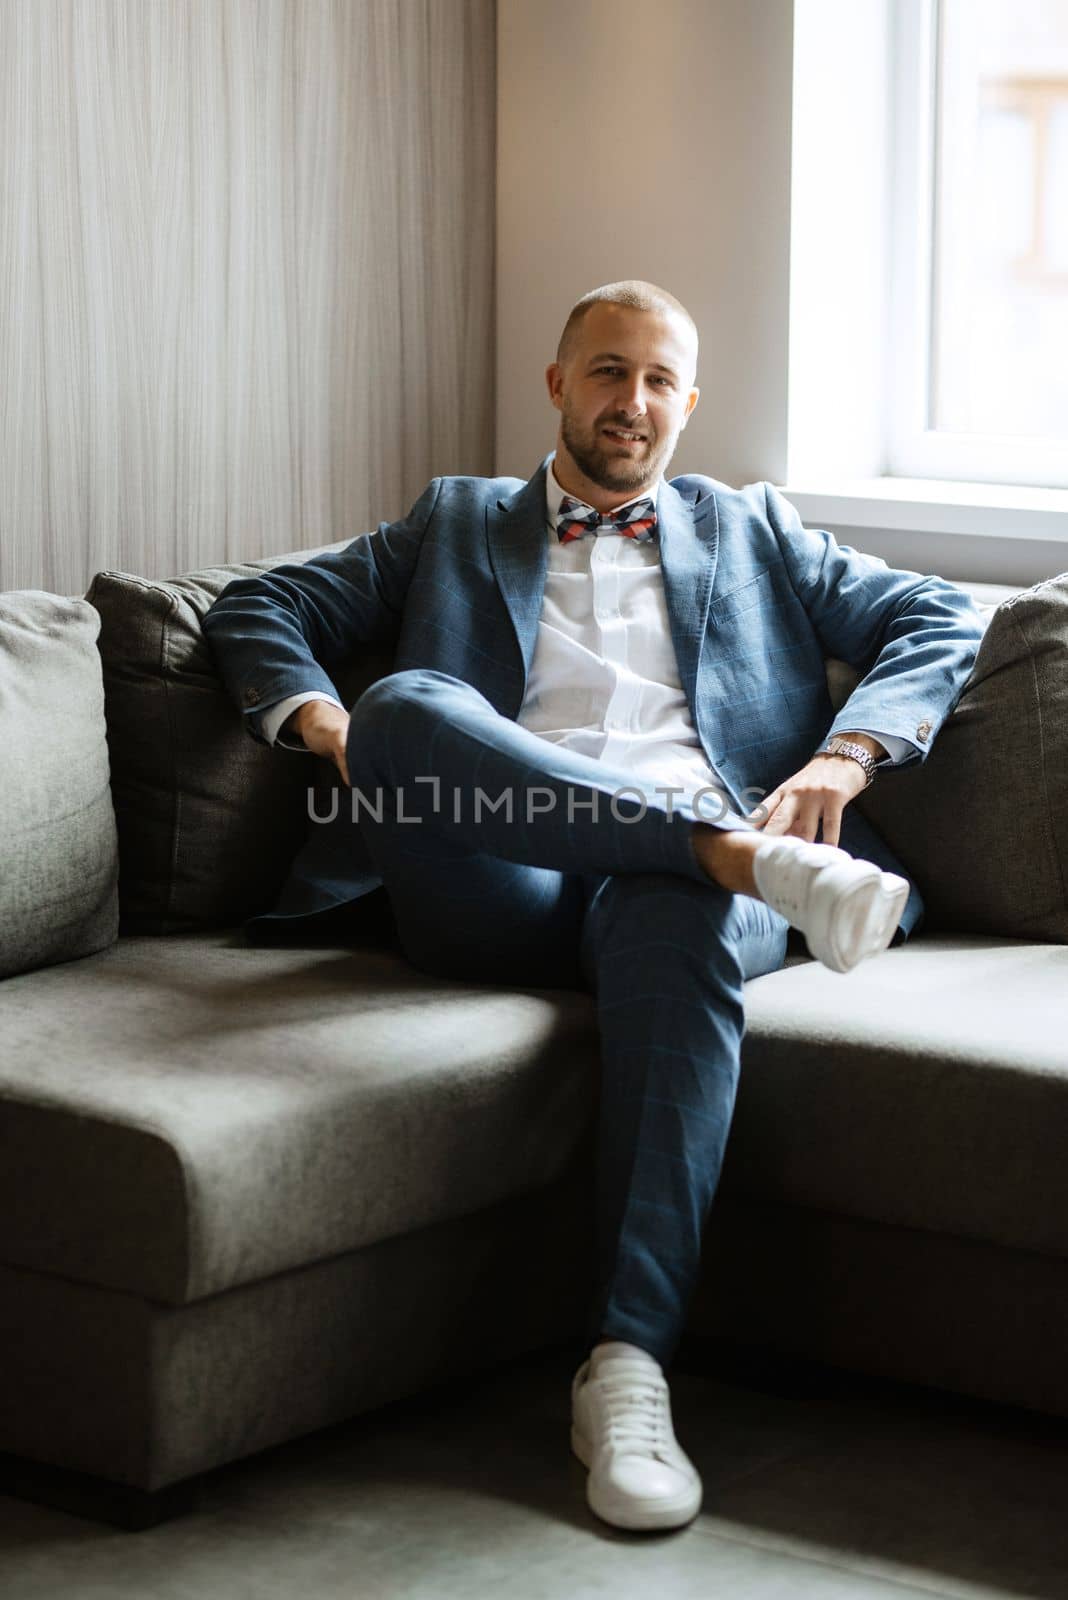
(624, 396)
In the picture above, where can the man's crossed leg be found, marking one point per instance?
(512, 860)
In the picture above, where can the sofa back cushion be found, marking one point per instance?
(58, 850)
(208, 819)
(982, 825)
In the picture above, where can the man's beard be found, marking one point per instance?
(591, 455)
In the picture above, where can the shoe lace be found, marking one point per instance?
(637, 1415)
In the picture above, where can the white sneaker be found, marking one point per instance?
(621, 1430)
(846, 909)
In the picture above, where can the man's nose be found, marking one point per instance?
(630, 396)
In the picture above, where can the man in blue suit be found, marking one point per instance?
(598, 674)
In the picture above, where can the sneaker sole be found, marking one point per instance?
(884, 897)
(636, 1516)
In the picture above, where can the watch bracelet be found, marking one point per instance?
(854, 752)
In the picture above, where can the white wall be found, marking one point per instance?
(648, 140)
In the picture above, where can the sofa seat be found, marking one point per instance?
(205, 1114)
(191, 1113)
(943, 1060)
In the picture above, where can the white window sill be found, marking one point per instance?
(933, 505)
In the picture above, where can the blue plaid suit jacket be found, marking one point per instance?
(755, 601)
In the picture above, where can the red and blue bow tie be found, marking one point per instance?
(636, 521)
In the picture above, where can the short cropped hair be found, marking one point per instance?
(632, 292)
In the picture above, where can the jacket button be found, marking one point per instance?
(923, 732)
(251, 697)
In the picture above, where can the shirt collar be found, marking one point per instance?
(554, 494)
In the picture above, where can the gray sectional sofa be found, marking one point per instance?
(248, 1189)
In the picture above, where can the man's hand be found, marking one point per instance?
(818, 794)
(324, 728)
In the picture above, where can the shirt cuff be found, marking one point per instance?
(272, 719)
(897, 749)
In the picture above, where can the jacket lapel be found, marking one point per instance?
(688, 529)
(519, 556)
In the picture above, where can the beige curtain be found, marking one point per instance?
(246, 274)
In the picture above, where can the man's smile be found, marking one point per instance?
(623, 435)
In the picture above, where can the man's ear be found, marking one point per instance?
(554, 377)
(691, 401)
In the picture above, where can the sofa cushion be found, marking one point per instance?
(58, 852)
(929, 1092)
(206, 1113)
(208, 819)
(982, 825)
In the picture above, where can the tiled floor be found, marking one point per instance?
(815, 1487)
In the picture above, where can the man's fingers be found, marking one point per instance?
(762, 814)
(832, 825)
(782, 817)
(806, 822)
(802, 818)
(801, 807)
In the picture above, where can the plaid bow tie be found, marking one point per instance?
(637, 521)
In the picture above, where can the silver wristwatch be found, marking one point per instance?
(855, 752)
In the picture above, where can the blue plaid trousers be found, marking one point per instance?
(581, 879)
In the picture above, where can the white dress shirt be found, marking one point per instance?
(604, 681)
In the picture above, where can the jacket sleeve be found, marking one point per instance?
(914, 639)
(284, 631)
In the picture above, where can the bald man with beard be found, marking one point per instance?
(606, 758)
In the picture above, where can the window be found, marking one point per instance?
(977, 354)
